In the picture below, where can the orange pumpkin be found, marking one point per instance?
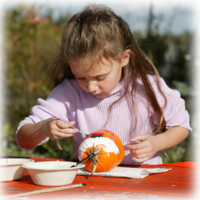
(110, 155)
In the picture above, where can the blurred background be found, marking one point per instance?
(30, 35)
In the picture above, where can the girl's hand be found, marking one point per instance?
(58, 129)
(145, 149)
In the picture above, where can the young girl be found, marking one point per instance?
(104, 81)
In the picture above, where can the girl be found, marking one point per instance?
(104, 81)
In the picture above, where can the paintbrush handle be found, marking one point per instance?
(45, 190)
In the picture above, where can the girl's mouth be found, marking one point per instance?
(101, 95)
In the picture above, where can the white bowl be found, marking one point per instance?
(11, 169)
(52, 173)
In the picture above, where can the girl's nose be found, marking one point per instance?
(92, 86)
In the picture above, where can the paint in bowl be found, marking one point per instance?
(52, 173)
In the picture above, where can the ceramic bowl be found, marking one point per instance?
(11, 169)
(52, 173)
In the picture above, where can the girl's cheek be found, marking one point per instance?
(83, 86)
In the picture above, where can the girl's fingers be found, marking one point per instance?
(139, 152)
(139, 138)
(141, 156)
(140, 159)
(64, 125)
(60, 129)
(136, 146)
(67, 131)
(63, 134)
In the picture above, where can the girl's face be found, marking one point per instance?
(99, 78)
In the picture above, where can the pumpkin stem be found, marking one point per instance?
(94, 164)
(94, 159)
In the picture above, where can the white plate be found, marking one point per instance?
(10, 168)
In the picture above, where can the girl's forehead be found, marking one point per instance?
(90, 64)
(94, 67)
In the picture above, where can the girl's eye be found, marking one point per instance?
(101, 78)
(79, 78)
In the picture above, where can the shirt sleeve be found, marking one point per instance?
(175, 113)
(35, 116)
(55, 104)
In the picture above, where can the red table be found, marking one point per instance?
(179, 183)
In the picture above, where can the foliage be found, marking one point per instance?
(186, 65)
(150, 45)
(27, 41)
(29, 49)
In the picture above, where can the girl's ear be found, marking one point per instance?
(126, 57)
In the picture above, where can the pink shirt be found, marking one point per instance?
(70, 103)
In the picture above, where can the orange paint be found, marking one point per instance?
(106, 160)
(103, 165)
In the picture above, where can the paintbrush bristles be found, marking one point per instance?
(90, 156)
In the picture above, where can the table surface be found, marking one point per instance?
(178, 183)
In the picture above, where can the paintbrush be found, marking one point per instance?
(90, 156)
(45, 190)
(60, 119)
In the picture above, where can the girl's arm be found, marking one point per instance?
(149, 145)
(176, 117)
(30, 135)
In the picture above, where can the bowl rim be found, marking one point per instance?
(28, 166)
(21, 161)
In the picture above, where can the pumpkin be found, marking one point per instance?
(110, 155)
